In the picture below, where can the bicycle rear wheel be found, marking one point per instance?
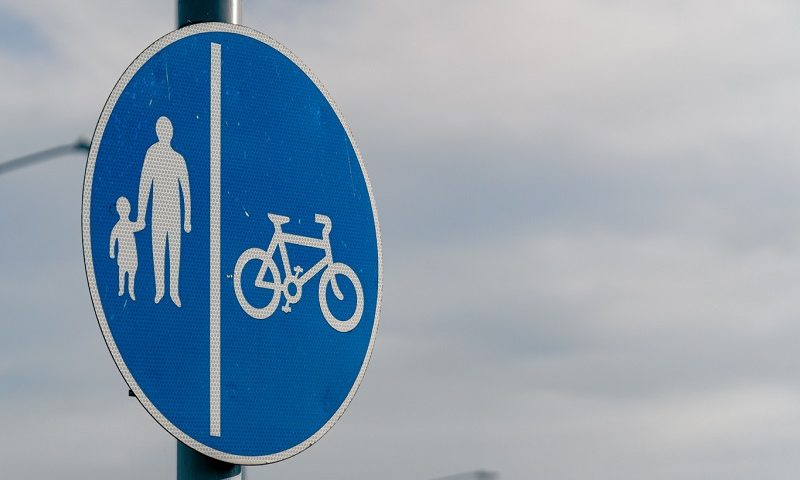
(267, 265)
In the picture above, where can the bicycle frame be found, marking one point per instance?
(279, 241)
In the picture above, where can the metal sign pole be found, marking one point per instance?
(193, 465)
(198, 11)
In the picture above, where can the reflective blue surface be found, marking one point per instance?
(284, 151)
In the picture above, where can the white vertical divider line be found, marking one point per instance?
(214, 264)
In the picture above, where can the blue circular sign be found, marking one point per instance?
(231, 243)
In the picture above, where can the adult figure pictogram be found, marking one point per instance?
(164, 173)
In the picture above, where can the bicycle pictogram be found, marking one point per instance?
(291, 285)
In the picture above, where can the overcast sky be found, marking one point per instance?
(591, 232)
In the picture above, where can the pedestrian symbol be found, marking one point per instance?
(222, 184)
(164, 174)
(123, 247)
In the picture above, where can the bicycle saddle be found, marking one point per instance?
(278, 220)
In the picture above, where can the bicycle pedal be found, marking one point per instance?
(286, 308)
(298, 270)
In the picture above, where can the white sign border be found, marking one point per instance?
(87, 245)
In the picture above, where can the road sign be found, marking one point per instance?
(231, 244)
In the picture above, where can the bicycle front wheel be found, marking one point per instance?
(329, 278)
(261, 281)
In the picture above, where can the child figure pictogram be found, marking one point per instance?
(126, 255)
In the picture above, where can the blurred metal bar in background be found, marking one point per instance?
(476, 475)
(80, 145)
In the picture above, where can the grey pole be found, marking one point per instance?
(193, 465)
(197, 11)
